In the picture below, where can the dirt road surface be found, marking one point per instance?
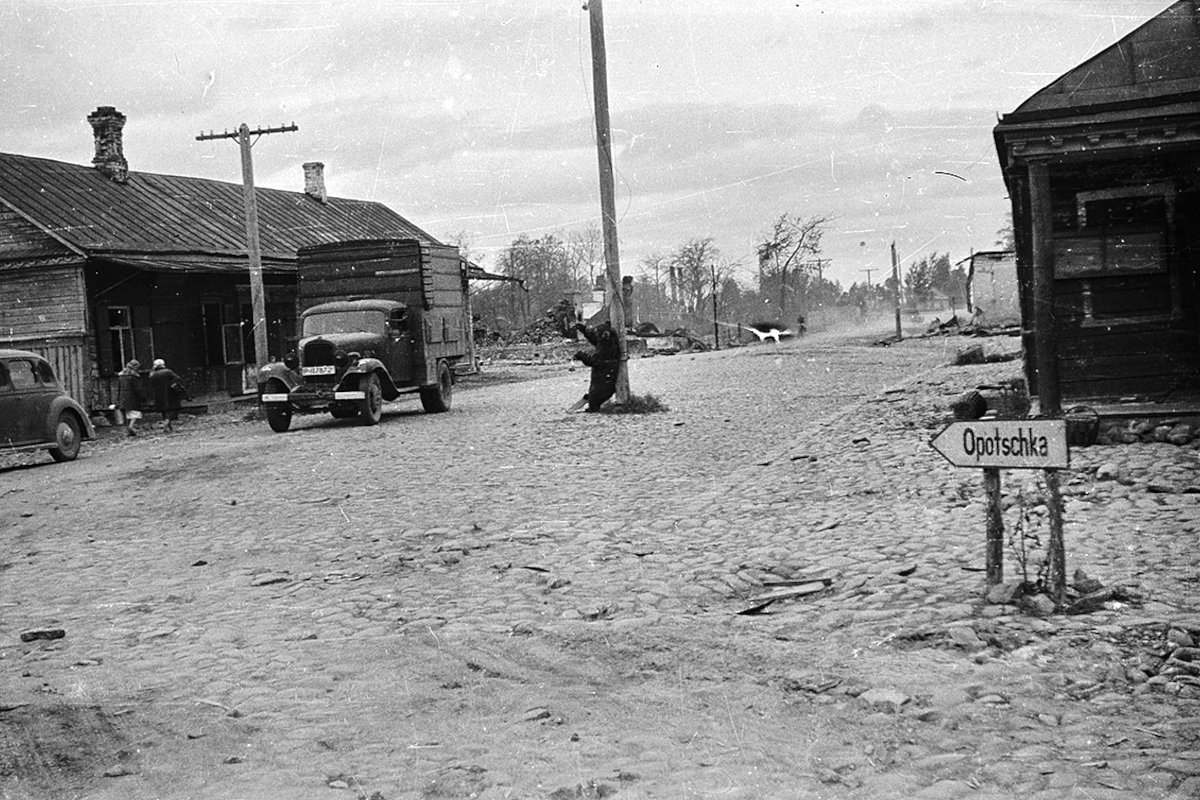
(509, 601)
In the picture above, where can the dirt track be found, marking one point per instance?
(508, 601)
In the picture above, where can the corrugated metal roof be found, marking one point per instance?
(1158, 62)
(179, 219)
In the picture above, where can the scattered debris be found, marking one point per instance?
(760, 603)
(33, 634)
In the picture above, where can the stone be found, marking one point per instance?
(1002, 593)
(1180, 434)
(1038, 604)
(33, 634)
(966, 638)
(117, 771)
(1107, 472)
(1086, 584)
(1180, 638)
(888, 700)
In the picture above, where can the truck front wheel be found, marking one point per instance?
(279, 415)
(370, 408)
(436, 398)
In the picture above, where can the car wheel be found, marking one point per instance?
(67, 438)
(436, 399)
(370, 408)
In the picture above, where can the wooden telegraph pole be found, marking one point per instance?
(608, 204)
(258, 301)
(896, 279)
(716, 330)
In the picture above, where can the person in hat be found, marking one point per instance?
(130, 396)
(169, 393)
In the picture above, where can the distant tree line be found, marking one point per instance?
(675, 288)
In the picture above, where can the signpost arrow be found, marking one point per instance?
(1005, 444)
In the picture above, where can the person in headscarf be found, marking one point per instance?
(169, 393)
(130, 396)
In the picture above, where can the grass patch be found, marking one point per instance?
(638, 404)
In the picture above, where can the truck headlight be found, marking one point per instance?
(291, 360)
(340, 358)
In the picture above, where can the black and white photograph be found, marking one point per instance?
(632, 399)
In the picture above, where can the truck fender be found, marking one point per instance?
(277, 372)
(365, 366)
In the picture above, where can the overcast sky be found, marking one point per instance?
(475, 116)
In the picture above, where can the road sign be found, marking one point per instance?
(1005, 444)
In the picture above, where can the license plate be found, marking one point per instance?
(328, 369)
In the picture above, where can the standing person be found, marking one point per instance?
(604, 360)
(130, 396)
(168, 392)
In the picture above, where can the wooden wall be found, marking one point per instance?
(38, 302)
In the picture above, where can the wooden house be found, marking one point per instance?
(1103, 171)
(100, 264)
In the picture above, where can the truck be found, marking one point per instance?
(380, 318)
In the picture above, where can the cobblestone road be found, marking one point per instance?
(510, 601)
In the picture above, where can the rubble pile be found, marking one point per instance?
(1169, 659)
(1128, 431)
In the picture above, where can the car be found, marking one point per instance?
(35, 410)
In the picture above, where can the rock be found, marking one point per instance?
(1107, 471)
(1086, 584)
(966, 638)
(970, 355)
(34, 634)
(968, 405)
(888, 700)
(268, 579)
(1180, 434)
(1038, 604)
(1180, 638)
(117, 771)
(1003, 593)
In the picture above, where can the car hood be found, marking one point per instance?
(346, 341)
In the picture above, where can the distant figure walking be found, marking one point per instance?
(169, 393)
(604, 359)
(130, 396)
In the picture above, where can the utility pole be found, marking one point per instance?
(716, 330)
(869, 271)
(608, 204)
(258, 302)
(896, 279)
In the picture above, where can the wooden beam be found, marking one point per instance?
(1041, 226)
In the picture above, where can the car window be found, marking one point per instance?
(21, 374)
(4, 384)
(45, 374)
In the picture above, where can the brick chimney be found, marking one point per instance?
(314, 181)
(107, 124)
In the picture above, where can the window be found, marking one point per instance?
(45, 374)
(120, 335)
(22, 374)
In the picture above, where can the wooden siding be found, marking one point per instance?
(68, 356)
(42, 302)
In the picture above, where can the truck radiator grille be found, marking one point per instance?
(318, 354)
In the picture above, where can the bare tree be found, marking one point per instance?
(789, 249)
(692, 264)
(585, 251)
